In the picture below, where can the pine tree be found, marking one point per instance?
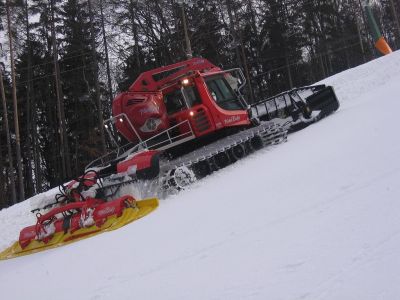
(79, 76)
(21, 190)
(48, 147)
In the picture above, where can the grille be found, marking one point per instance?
(201, 122)
(134, 101)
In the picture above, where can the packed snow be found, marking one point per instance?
(314, 218)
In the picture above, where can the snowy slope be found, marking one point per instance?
(314, 218)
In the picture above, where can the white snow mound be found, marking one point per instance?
(314, 218)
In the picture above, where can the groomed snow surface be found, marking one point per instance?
(315, 218)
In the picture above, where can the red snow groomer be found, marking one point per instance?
(174, 125)
(194, 114)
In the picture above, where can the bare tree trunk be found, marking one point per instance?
(361, 42)
(232, 21)
(321, 61)
(65, 161)
(189, 53)
(7, 130)
(246, 70)
(286, 37)
(133, 8)
(2, 182)
(14, 95)
(110, 91)
(34, 153)
(288, 70)
(232, 31)
(31, 130)
(36, 157)
(95, 68)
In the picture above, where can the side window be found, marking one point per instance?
(174, 102)
(192, 96)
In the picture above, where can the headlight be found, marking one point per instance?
(150, 125)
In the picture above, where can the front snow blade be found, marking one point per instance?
(109, 221)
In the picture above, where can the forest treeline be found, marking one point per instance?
(73, 56)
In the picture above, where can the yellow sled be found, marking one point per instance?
(106, 216)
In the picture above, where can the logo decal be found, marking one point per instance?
(231, 120)
(106, 211)
(148, 110)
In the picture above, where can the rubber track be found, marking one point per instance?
(266, 134)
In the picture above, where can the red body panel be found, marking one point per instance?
(139, 107)
(149, 81)
(141, 160)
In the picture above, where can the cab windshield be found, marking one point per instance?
(222, 93)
